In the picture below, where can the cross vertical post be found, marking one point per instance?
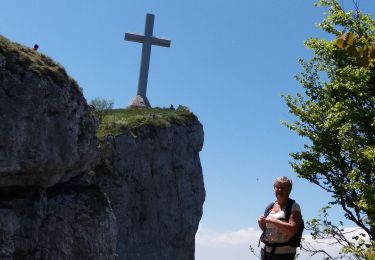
(146, 53)
(147, 41)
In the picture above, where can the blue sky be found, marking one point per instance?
(229, 62)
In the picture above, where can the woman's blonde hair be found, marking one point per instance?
(284, 180)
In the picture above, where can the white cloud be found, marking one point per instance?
(234, 245)
(227, 245)
(210, 238)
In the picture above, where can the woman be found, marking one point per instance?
(277, 229)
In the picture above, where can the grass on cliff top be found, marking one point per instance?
(32, 60)
(117, 121)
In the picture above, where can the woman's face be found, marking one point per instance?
(281, 190)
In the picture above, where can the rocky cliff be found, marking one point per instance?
(135, 194)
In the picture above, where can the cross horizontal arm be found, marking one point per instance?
(160, 42)
(134, 37)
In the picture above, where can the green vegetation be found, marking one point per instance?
(336, 113)
(118, 121)
(17, 56)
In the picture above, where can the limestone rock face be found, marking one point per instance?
(153, 178)
(47, 134)
(140, 198)
(66, 222)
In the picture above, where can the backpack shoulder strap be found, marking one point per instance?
(268, 209)
(288, 208)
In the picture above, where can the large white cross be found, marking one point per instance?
(148, 40)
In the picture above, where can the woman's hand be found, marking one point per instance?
(288, 228)
(262, 222)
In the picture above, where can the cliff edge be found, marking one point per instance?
(47, 134)
(153, 177)
(130, 189)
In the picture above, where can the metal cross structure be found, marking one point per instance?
(147, 41)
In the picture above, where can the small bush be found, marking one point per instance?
(101, 106)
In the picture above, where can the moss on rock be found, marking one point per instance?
(17, 55)
(119, 121)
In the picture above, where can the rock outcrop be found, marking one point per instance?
(47, 134)
(139, 196)
(153, 178)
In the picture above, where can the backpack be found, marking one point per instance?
(295, 240)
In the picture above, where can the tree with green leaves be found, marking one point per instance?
(336, 113)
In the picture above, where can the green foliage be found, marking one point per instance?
(18, 56)
(355, 242)
(362, 48)
(336, 113)
(355, 32)
(118, 121)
